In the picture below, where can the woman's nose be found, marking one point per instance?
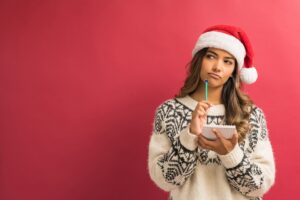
(217, 65)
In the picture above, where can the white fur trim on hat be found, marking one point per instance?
(223, 41)
(248, 75)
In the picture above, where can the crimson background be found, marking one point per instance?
(80, 81)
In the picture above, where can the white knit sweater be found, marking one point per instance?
(178, 165)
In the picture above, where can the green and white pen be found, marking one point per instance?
(206, 89)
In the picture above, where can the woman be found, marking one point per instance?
(184, 162)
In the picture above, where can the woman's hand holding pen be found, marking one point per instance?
(199, 117)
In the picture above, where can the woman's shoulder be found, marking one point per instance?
(185, 104)
(161, 113)
(257, 117)
(168, 103)
(258, 125)
(256, 111)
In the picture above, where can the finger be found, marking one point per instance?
(235, 138)
(204, 104)
(210, 143)
(201, 109)
(202, 144)
(201, 113)
(207, 102)
(218, 134)
(200, 141)
(198, 112)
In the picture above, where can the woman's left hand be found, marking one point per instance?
(221, 145)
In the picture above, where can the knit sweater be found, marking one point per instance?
(178, 165)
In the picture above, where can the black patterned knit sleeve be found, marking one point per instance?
(255, 174)
(171, 163)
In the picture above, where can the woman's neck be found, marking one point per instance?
(214, 94)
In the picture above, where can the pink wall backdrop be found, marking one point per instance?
(80, 81)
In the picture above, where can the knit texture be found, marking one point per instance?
(178, 165)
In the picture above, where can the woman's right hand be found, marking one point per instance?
(199, 117)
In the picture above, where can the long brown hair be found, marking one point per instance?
(238, 105)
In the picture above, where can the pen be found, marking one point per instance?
(206, 89)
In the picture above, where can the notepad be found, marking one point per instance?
(226, 130)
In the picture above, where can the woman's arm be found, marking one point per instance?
(251, 171)
(172, 156)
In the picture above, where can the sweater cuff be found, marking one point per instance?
(188, 140)
(233, 158)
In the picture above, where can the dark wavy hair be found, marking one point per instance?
(238, 105)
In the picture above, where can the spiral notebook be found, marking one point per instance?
(226, 130)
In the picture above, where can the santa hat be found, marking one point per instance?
(233, 40)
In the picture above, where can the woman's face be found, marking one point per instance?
(217, 67)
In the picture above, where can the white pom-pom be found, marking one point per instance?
(248, 75)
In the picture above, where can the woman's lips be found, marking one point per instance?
(214, 75)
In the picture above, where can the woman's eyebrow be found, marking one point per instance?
(209, 51)
(228, 57)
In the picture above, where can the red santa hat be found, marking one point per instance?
(233, 40)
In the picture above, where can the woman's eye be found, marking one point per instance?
(209, 56)
(229, 62)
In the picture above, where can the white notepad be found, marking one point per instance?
(226, 130)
